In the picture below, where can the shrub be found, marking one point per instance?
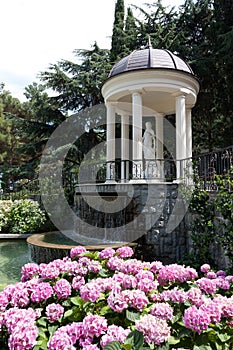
(21, 216)
(107, 299)
(5, 207)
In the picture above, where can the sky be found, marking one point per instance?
(37, 33)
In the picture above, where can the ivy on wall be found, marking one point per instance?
(212, 221)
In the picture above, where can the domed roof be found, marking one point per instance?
(150, 58)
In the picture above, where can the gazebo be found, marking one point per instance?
(156, 83)
(137, 200)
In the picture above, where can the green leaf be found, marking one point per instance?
(135, 338)
(224, 337)
(68, 313)
(42, 321)
(212, 336)
(173, 340)
(103, 273)
(163, 347)
(127, 346)
(114, 345)
(77, 301)
(42, 333)
(202, 347)
(41, 345)
(132, 316)
(52, 329)
(176, 318)
(105, 310)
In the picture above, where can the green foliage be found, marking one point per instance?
(21, 216)
(118, 40)
(224, 206)
(5, 207)
(203, 228)
(78, 85)
(212, 222)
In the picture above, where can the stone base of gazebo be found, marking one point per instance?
(147, 213)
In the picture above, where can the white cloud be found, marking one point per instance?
(36, 33)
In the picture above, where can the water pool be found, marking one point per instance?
(13, 255)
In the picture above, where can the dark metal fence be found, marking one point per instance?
(208, 166)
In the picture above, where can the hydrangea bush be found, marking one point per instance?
(109, 300)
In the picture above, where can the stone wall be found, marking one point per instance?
(150, 214)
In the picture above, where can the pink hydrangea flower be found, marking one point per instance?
(211, 275)
(94, 325)
(207, 285)
(146, 285)
(114, 333)
(117, 301)
(49, 271)
(213, 309)
(131, 266)
(221, 273)
(24, 336)
(195, 296)
(42, 291)
(155, 330)
(94, 266)
(60, 341)
(62, 288)
(28, 271)
(175, 295)
(144, 274)
(205, 268)
(176, 273)
(54, 312)
(162, 310)
(90, 292)
(20, 297)
(196, 319)
(15, 315)
(77, 251)
(78, 282)
(106, 253)
(115, 263)
(155, 266)
(124, 252)
(90, 347)
(3, 301)
(138, 299)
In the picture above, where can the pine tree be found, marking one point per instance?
(78, 85)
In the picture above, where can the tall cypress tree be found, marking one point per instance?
(118, 34)
(131, 31)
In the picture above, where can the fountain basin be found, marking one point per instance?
(43, 248)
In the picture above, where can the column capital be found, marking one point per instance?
(181, 93)
(136, 92)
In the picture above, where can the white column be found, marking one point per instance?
(110, 156)
(180, 135)
(137, 135)
(188, 133)
(159, 146)
(124, 148)
(189, 142)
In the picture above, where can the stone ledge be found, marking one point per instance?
(14, 235)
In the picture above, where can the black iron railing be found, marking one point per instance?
(208, 166)
(202, 169)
